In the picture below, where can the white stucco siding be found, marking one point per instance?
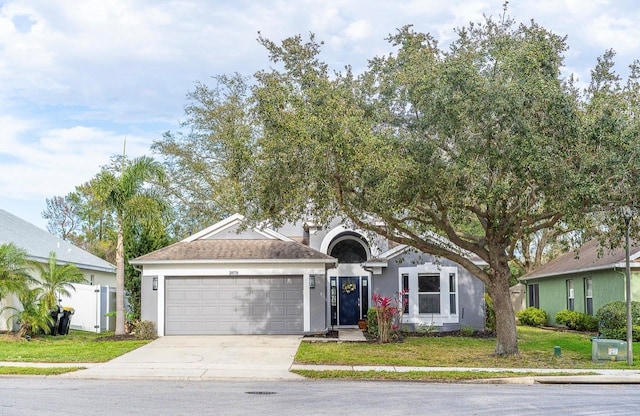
(100, 278)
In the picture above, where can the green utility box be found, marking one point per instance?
(608, 350)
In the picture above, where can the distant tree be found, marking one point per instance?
(611, 122)
(82, 219)
(140, 238)
(62, 216)
(199, 160)
(124, 190)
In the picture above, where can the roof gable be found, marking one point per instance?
(589, 257)
(226, 241)
(231, 229)
(39, 243)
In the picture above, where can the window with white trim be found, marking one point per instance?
(588, 296)
(570, 295)
(430, 293)
(405, 292)
(453, 284)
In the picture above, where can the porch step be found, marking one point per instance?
(351, 335)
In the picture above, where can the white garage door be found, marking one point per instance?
(233, 305)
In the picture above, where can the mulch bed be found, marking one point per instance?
(123, 337)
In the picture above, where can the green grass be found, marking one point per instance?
(77, 347)
(437, 376)
(37, 371)
(536, 351)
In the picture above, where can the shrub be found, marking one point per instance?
(467, 330)
(389, 314)
(564, 317)
(621, 333)
(372, 322)
(613, 320)
(426, 329)
(586, 323)
(532, 317)
(577, 320)
(490, 315)
(146, 330)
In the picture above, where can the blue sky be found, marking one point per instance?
(79, 77)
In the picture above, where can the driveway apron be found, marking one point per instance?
(251, 357)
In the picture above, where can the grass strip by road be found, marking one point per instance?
(76, 347)
(433, 376)
(37, 371)
(537, 347)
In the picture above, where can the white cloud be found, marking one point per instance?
(79, 76)
(360, 29)
(53, 162)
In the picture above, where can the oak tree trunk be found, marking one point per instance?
(506, 335)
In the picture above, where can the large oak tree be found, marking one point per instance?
(461, 151)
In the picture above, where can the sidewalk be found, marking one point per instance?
(604, 376)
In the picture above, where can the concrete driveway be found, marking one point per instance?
(252, 357)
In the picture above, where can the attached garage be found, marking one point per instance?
(228, 280)
(214, 305)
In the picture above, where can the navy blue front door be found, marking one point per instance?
(349, 300)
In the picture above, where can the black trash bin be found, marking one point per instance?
(55, 316)
(65, 320)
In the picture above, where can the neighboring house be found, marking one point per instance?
(582, 281)
(99, 274)
(298, 279)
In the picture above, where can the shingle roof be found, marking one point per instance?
(38, 243)
(591, 256)
(234, 250)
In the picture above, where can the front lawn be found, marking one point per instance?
(76, 347)
(37, 371)
(536, 351)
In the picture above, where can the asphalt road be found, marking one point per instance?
(22, 396)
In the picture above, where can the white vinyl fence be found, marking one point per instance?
(91, 304)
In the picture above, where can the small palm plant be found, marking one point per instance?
(14, 270)
(56, 280)
(34, 317)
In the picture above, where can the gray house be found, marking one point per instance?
(297, 279)
(99, 274)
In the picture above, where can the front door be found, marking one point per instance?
(348, 300)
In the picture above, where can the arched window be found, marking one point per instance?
(349, 251)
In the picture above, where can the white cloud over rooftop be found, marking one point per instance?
(79, 76)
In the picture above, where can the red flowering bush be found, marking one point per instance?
(389, 313)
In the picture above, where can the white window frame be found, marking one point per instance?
(446, 316)
(588, 295)
(571, 299)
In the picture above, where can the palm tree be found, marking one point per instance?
(33, 317)
(56, 280)
(14, 270)
(129, 198)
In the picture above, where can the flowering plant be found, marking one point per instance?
(389, 313)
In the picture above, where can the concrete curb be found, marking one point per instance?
(603, 376)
